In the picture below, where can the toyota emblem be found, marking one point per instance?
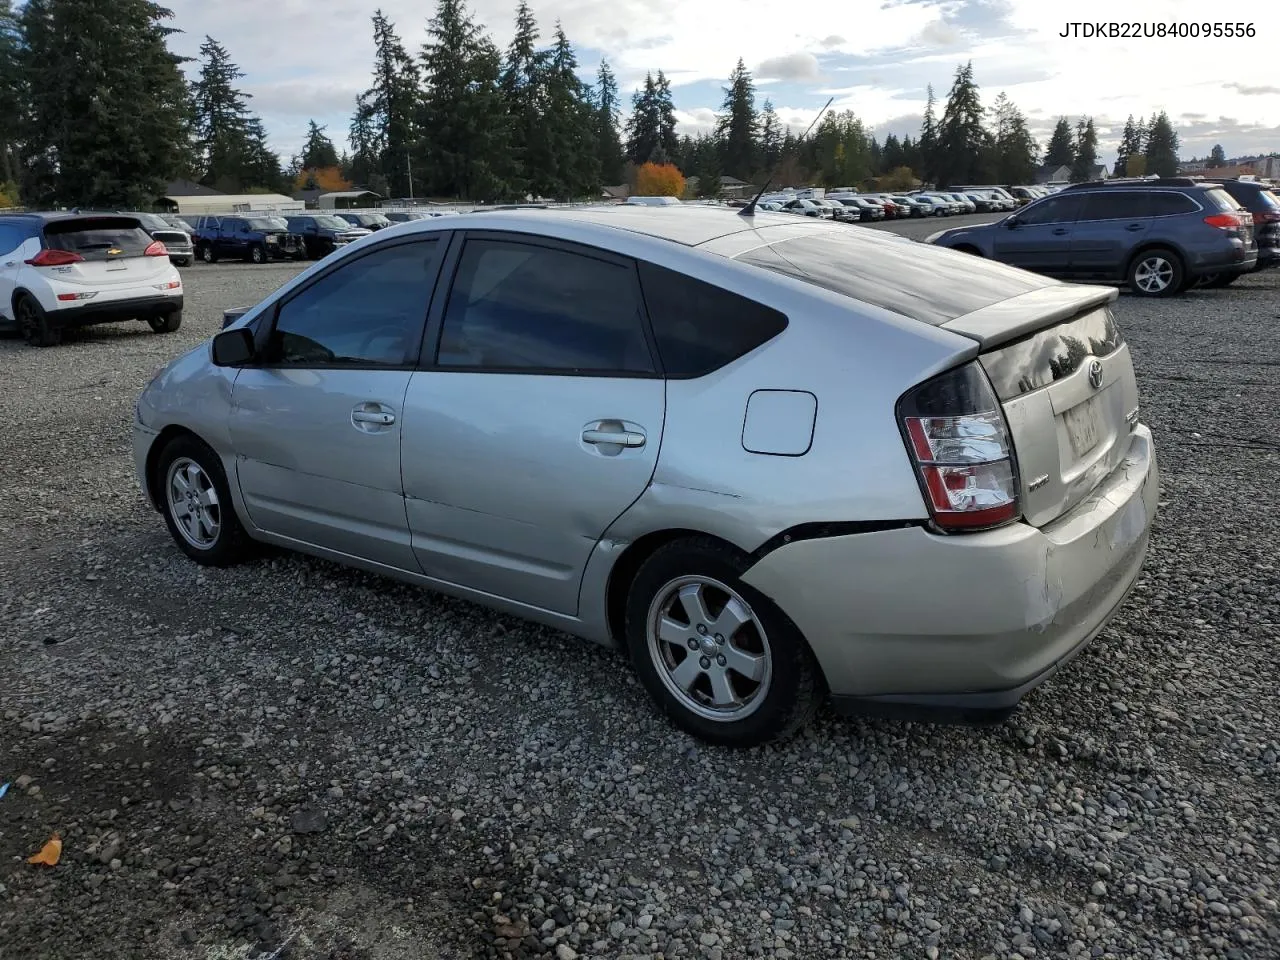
(1095, 374)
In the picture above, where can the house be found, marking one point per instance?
(1051, 174)
(1099, 171)
(620, 192)
(733, 187)
(347, 199)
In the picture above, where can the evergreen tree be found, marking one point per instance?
(231, 145)
(608, 145)
(1130, 146)
(107, 119)
(1217, 157)
(668, 141)
(465, 151)
(738, 126)
(1161, 148)
(644, 126)
(770, 138)
(318, 150)
(385, 114)
(1061, 151)
(704, 160)
(1086, 151)
(523, 83)
(891, 154)
(927, 142)
(1016, 150)
(962, 139)
(571, 124)
(911, 157)
(12, 96)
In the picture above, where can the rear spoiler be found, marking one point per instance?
(1028, 312)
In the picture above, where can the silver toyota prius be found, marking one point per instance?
(775, 460)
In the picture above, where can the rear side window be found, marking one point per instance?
(1170, 204)
(1219, 198)
(701, 327)
(1116, 205)
(97, 239)
(11, 237)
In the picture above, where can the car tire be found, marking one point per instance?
(257, 254)
(1216, 281)
(204, 525)
(184, 262)
(33, 323)
(1156, 272)
(777, 687)
(167, 323)
(208, 254)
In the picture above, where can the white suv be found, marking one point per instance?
(61, 270)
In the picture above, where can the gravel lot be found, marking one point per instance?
(291, 759)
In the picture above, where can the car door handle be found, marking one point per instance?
(1059, 231)
(1134, 227)
(620, 438)
(373, 416)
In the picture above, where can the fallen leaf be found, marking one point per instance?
(49, 854)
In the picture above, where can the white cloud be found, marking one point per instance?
(305, 58)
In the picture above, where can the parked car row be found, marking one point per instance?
(1157, 236)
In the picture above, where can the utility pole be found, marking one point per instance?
(408, 159)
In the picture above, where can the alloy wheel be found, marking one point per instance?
(1153, 274)
(709, 648)
(193, 503)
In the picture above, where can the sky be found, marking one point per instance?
(305, 59)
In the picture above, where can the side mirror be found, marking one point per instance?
(1011, 222)
(231, 348)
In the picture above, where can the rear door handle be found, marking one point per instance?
(1134, 227)
(1059, 231)
(619, 438)
(370, 416)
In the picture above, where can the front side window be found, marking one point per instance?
(518, 306)
(369, 311)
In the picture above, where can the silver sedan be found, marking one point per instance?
(774, 460)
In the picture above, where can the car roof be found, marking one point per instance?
(689, 226)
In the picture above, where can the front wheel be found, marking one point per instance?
(721, 660)
(257, 254)
(169, 323)
(1157, 273)
(196, 502)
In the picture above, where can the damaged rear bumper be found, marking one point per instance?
(911, 619)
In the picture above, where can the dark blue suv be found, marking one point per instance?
(1159, 236)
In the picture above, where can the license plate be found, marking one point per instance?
(1084, 427)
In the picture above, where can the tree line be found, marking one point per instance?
(460, 118)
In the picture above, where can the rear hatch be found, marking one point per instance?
(1065, 380)
(112, 252)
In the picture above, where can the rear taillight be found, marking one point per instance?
(55, 258)
(156, 249)
(959, 442)
(1225, 221)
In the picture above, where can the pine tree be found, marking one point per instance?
(770, 138)
(644, 126)
(463, 115)
(738, 126)
(106, 120)
(231, 143)
(891, 154)
(383, 128)
(1130, 146)
(927, 142)
(1161, 149)
(962, 139)
(318, 150)
(12, 98)
(668, 141)
(1016, 150)
(523, 84)
(1086, 151)
(1061, 151)
(1217, 157)
(571, 123)
(704, 160)
(608, 145)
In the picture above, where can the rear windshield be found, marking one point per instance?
(100, 238)
(1269, 199)
(901, 276)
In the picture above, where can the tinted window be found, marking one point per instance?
(887, 271)
(1116, 205)
(1268, 200)
(1219, 198)
(11, 237)
(95, 239)
(261, 223)
(1062, 209)
(520, 307)
(368, 311)
(1169, 204)
(234, 223)
(700, 327)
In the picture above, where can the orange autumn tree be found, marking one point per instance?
(659, 180)
(322, 178)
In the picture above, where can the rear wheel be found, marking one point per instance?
(1157, 273)
(207, 253)
(34, 323)
(169, 323)
(257, 254)
(722, 661)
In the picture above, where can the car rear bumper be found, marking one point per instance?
(965, 623)
(115, 311)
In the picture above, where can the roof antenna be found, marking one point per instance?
(750, 209)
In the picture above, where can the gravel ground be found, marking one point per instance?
(290, 759)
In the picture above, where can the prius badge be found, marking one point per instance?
(1095, 374)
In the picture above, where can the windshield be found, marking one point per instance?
(262, 223)
(333, 223)
(151, 221)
